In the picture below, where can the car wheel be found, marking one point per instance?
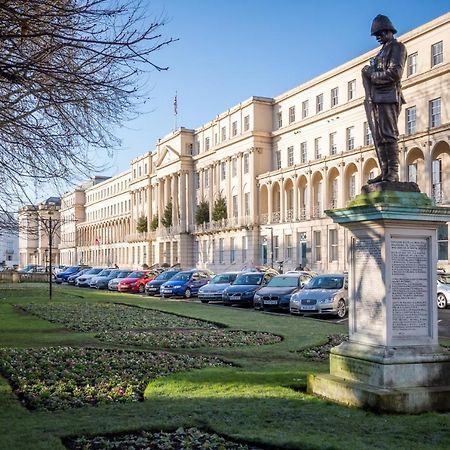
(441, 301)
(204, 301)
(226, 304)
(141, 289)
(341, 309)
(187, 293)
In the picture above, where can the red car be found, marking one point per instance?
(135, 282)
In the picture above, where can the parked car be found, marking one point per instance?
(85, 279)
(277, 293)
(443, 290)
(324, 294)
(136, 281)
(62, 277)
(27, 268)
(214, 289)
(185, 283)
(153, 287)
(72, 278)
(103, 278)
(114, 283)
(243, 288)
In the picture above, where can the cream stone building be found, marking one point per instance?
(279, 163)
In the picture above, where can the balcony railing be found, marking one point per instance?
(317, 212)
(302, 213)
(276, 216)
(223, 224)
(290, 215)
(140, 237)
(439, 196)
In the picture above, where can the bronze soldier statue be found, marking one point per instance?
(384, 97)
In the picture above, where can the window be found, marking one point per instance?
(244, 248)
(410, 115)
(437, 53)
(317, 247)
(246, 123)
(288, 246)
(305, 109)
(234, 130)
(317, 149)
(334, 193)
(435, 113)
(333, 241)
(368, 139)
(223, 170)
(279, 119)
(234, 167)
(352, 187)
(216, 139)
(197, 180)
(232, 251)
(206, 178)
(246, 162)
(351, 90)
(224, 133)
(319, 103)
(247, 203)
(221, 252)
(235, 205)
(189, 149)
(205, 251)
(292, 114)
(411, 65)
(276, 248)
(334, 97)
(412, 173)
(436, 180)
(197, 147)
(303, 152)
(332, 141)
(278, 159)
(207, 144)
(350, 138)
(290, 152)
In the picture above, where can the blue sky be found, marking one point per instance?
(230, 50)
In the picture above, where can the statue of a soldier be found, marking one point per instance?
(384, 98)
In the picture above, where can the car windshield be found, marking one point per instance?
(223, 279)
(249, 279)
(113, 273)
(136, 275)
(325, 283)
(93, 271)
(445, 279)
(165, 275)
(123, 274)
(283, 282)
(104, 273)
(182, 276)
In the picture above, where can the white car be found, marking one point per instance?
(443, 290)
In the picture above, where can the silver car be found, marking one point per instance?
(443, 290)
(324, 294)
(214, 289)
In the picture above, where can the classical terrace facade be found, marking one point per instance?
(279, 163)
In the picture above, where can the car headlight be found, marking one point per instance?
(257, 296)
(249, 293)
(286, 298)
(294, 300)
(327, 300)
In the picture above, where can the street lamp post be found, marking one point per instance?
(50, 236)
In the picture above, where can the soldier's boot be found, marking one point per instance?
(392, 162)
(383, 165)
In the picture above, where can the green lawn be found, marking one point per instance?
(258, 397)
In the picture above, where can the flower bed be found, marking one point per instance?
(191, 439)
(321, 352)
(190, 338)
(60, 377)
(111, 316)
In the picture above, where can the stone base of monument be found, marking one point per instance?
(392, 361)
(405, 380)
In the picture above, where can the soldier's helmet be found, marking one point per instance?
(381, 23)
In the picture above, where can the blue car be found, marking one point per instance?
(185, 284)
(244, 287)
(214, 289)
(61, 277)
(73, 278)
(153, 286)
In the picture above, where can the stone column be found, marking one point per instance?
(174, 202)
(241, 219)
(282, 200)
(309, 207)
(182, 199)
(211, 170)
(254, 210)
(229, 199)
(269, 202)
(295, 212)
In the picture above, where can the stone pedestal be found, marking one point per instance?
(392, 361)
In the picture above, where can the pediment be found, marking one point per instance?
(168, 154)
